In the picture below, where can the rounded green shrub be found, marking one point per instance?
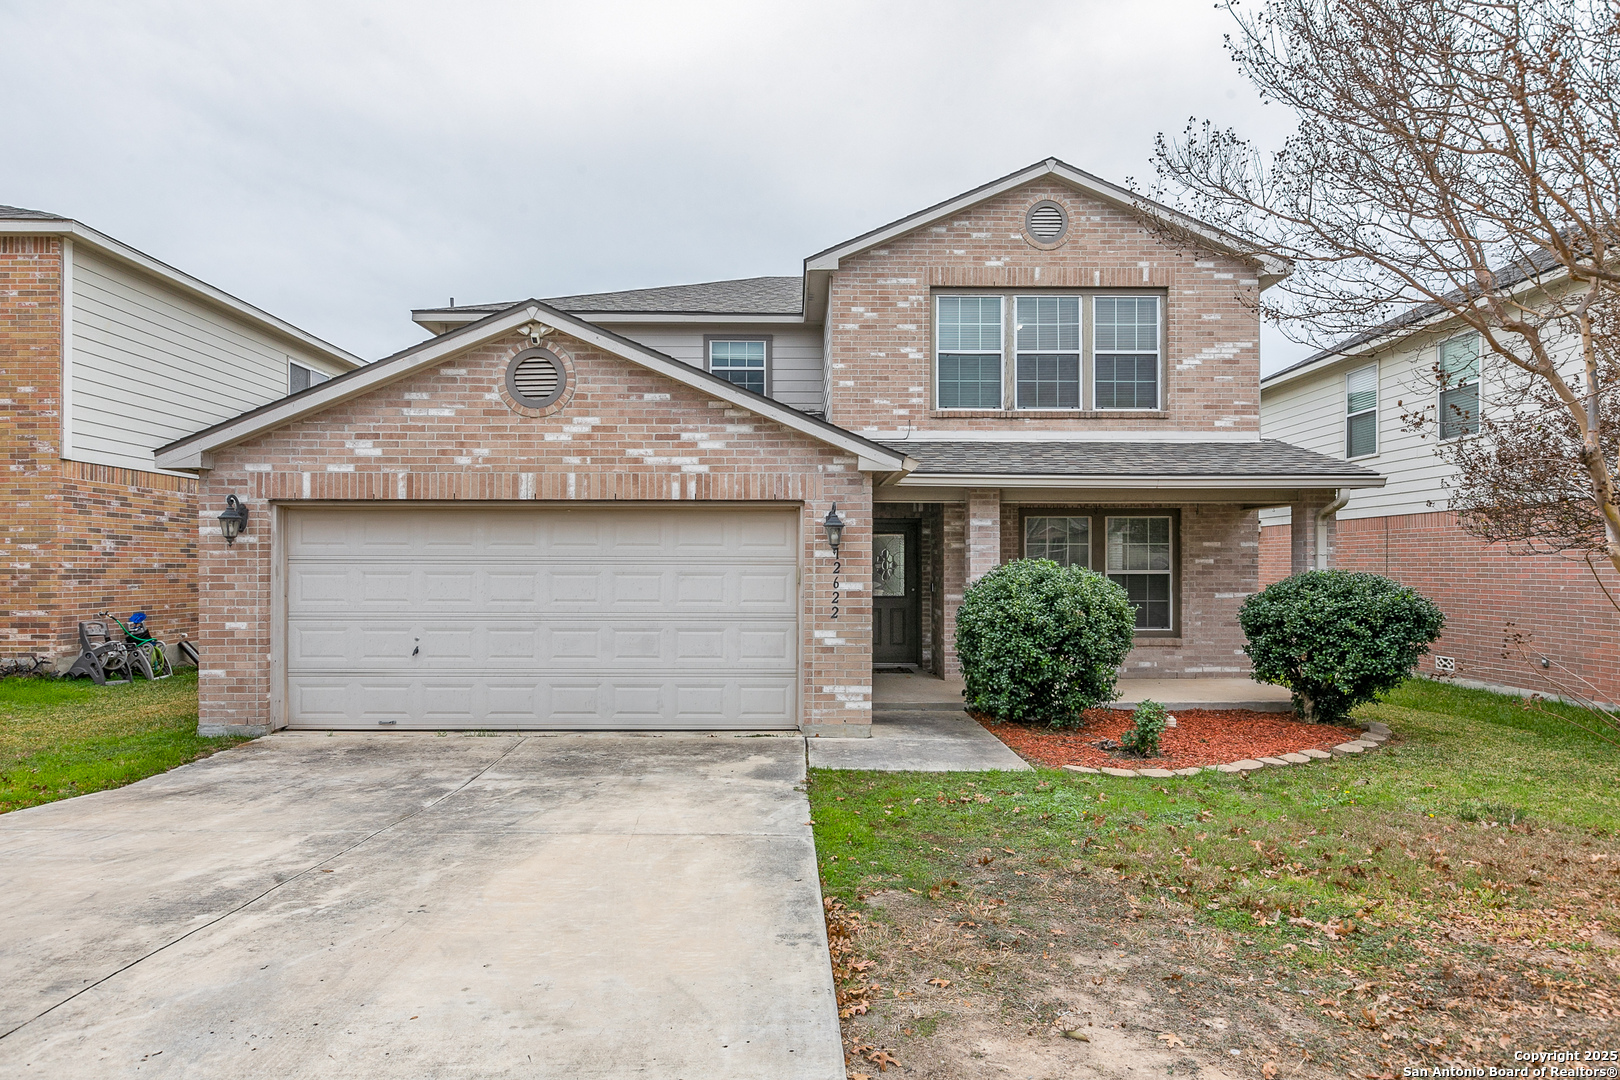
(1041, 643)
(1336, 638)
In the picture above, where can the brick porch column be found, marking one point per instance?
(983, 532)
(1303, 554)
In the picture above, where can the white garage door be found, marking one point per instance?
(540, 618)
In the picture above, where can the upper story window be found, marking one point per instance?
(1125, 341)
(300, 377)
(1459, 386)
(1027, 351)
(744, 361)
(970, 358)
(1048, 352)
(1361, 412)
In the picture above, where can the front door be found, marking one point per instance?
(896, 604)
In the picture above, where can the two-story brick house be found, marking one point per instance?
(105, 355)
(611, 510)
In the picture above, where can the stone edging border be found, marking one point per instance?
(1376, 735)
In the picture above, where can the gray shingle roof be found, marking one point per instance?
(1267, 458)
(1538, 263)
(742, 296)
(18, 213)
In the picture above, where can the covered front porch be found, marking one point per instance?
(1174, 523)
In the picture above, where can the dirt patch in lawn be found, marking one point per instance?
(1057, 971)
(1200, 737)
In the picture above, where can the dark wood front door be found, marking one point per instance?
(896, 601)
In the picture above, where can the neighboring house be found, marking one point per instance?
(1350, 402)
(106, 354)
(609, 510)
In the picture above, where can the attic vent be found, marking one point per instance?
(535, 378)
(1046, 222)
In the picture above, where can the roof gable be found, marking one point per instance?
(192, 452)
(1271, 268)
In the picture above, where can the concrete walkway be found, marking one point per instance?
(898, 690)
(918, 740)
(415, 906)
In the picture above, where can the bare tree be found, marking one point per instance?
(1455, 161)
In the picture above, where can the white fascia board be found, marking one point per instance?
(1270, 265)
(1176, 436)
(106, 245)
(336, 392)
(1189, 483)
(623, 317)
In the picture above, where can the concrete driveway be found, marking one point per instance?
(425, 906)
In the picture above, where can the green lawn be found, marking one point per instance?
(60, 738)
(1483, 808)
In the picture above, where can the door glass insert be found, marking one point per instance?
(889, 564)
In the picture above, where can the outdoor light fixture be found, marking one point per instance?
(835, 528)
(232, 519)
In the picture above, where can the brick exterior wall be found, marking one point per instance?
(625, 433)
(879, 316)
(75, 538)
(1482, 588)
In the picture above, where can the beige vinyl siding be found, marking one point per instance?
(796, 376)
(150, 365)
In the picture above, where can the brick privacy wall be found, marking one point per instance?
(880, 332)
(444, 434)
(1482, 587)
(1218, 572)
(75, 538)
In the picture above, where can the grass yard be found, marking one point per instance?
(60, 738)
(1452, 897)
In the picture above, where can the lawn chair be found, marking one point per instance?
(101, 657)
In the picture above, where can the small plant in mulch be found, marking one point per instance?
(1141, 739)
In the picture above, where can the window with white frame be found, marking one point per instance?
(1125, 348)
(742, 361)
(1459, 386)
(1139, 558)
(1048, 362)
(1361, 412)
(1065, 540)
(968, 367)
(300, 377)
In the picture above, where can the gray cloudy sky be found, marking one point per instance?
(339, 163)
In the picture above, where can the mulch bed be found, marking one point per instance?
(1200, 737)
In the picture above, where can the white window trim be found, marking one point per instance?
(711, 340)
(1477, 381)
(1158, 378)
(1109, 519)
(1378, 441)
(1010, 318)
(1000, 298)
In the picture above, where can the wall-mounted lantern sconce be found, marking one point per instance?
(232, 519)
(835, 528)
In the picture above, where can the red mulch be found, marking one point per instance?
(1200, 737)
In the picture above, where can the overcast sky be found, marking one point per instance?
(339, 163)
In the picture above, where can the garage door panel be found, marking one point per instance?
(444, 618)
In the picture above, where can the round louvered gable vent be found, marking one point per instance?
(1046, 222)
(536, 378)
